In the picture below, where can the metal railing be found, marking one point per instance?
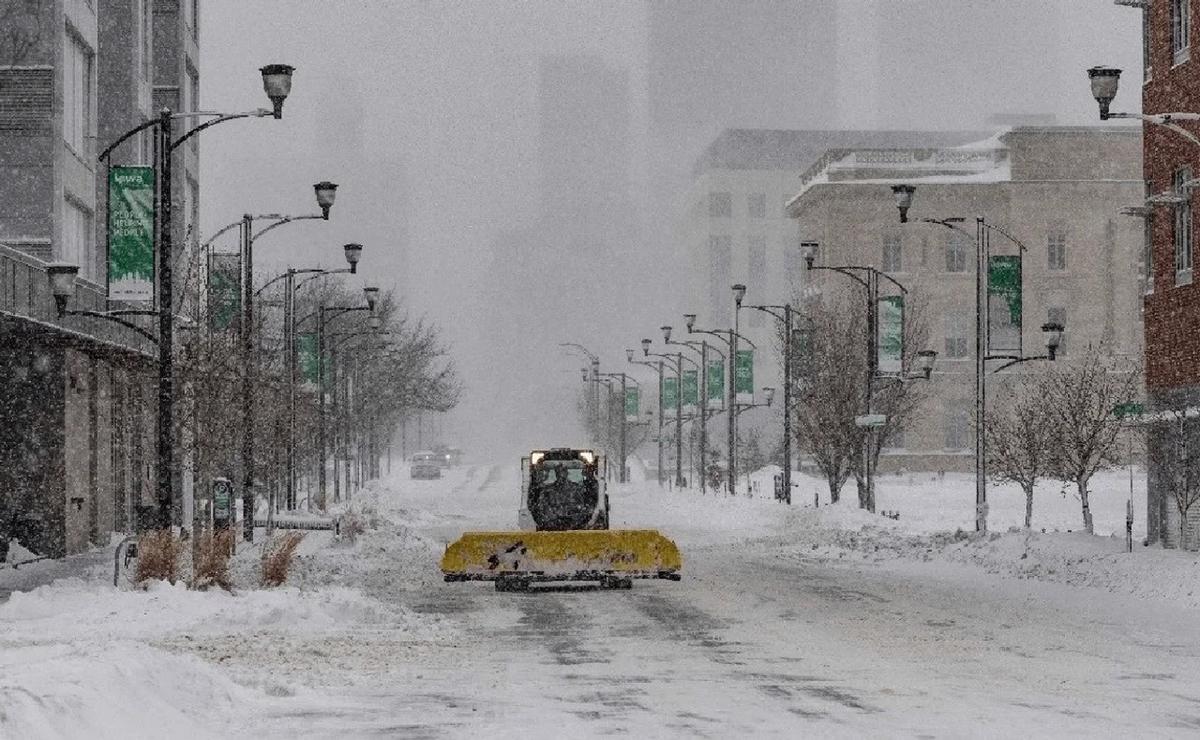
(25, 293)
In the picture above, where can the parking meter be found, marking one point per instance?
(222, 503)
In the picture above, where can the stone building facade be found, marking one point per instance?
(77, 394)
(1058, 190)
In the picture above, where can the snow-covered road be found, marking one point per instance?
(756, 641)
(774, 631)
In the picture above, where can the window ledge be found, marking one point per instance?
(1183, 277)
(1183, 56)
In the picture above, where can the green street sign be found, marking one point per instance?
(716, 384)
(224, 290)
(306, 356)
(1122, 410)
(743, 379)
(632, 405)
(131, 233)
(691, 388)
(670, 393)
(1004, 304)
(889, 340)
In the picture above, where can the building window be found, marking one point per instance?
(957, 334)
(193, 205)
(956, 252)
(957, 428)
(145, 38)
(1058, 315)
(77, 239)
(892, 253)
(756, 205)
(1183, 228)
(1056, 250)
(720, 205)
(77, 94)
(720, 259)
(1181, 30)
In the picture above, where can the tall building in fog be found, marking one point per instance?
(584, 122)
(719, 65)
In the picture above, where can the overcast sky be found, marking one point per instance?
(426, 114)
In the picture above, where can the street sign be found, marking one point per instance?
(131, 233)
(631, 404)
(691, 388)
(222, 497)
(743, 379)
(889, 344)
(224, 289)
(1122, 410)
(870, 420)
(1004, 304)
(670, 393)
(716, 384)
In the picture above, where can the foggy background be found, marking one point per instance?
(515, 169)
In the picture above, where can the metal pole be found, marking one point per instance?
(732, 410)
(679, 420)
(872, 363)
(333, 383)
(787, 403)
(702, 404)
(980, 377)
(321, 406)
(248, 363)
(624, 426)
(166, 380)
(289, 303)
(596, 396)
(660, 423)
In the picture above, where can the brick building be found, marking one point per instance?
(1172, 299)
(77, 393)
(1059, 190)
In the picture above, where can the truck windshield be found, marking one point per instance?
(570, 470)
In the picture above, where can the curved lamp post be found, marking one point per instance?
(1106, 80)
(277, 84)
(1053, 332)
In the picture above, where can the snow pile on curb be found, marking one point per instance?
(844, 532)
(121, 689)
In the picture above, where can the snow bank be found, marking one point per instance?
(117, 690)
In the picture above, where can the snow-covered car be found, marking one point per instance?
(425, 465)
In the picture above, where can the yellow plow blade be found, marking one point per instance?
(569, 555)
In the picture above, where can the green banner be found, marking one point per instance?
(131, 233)
(716, 384)
(224, 290)
(743, 378)
(1004, 304)
(670, 393)
(691, 388)
(889, 339)
(632, 404)
(306, 356)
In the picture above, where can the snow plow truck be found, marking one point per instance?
(563, 533)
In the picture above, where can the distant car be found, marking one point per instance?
(425, 465)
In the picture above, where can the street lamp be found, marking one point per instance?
(1104, 83)
(904, 196)
(277, 83)
(1053, 332)
(868, 277)
(326, 193)
(678, 359)
(353, 253)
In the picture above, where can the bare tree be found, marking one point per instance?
(1022, 438)
(828, 367)
(1080, 397)
(1177, 457)
(830, 362)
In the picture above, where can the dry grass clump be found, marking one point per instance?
(211, 560)
(351, 526)
(277, 558)
(159, 552)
